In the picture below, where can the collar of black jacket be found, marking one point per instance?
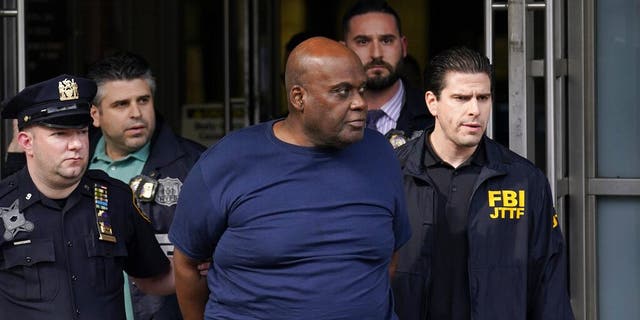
(411, 155)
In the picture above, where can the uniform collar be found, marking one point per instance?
(28, 193)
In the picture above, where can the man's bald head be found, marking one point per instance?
(325, 94)
(311, 55)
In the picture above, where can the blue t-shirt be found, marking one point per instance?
(295, 232)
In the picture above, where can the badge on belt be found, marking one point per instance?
(163, 191)
(103, 219)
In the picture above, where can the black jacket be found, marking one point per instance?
(170, 157)
(517, 260)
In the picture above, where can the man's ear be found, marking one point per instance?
(95, 115)
(432, 103)
(296, 97)
(25, 140)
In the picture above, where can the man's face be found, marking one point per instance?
(334, 110)
(462, 111)
(58, 156)
(376, 40)
(125, 115)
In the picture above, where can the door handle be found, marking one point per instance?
(8, 13)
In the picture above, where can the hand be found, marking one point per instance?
(203, 268)
(14, 146)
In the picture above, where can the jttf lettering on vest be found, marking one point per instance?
(506, 204)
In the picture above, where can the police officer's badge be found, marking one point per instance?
(143, 187)
(14, 221)
(396, 138)
(68, 89)
(168, 191)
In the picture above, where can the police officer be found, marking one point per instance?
(134, 145)
(68, 233)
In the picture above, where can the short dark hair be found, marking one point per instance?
(368, 6)
(458, 59)
(120, 66)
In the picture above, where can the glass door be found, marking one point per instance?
(229, 78)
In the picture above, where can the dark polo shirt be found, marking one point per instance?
(454, 188)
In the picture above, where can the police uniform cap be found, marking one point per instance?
(60, 102)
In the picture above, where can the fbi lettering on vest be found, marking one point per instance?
(506, 204)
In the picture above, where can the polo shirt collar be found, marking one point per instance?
(100, 154)
(431, 158)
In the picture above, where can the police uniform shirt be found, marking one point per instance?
(454, 188)
(53, 264)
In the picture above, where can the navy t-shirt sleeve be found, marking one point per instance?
(198, 222)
